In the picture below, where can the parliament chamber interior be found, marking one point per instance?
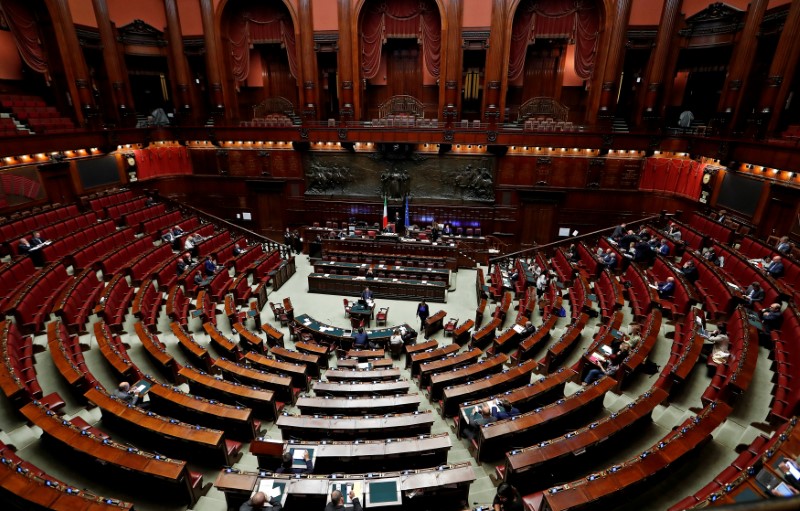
(432, 254)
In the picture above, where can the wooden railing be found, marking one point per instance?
(402, 104)
(276, 105)
(543, 107)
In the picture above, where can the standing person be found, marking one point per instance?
(423, 311)
(337, 501)
(507, 499)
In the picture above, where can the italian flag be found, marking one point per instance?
(385, 213)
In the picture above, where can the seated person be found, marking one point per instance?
(369, 274)
(710, 254)
(237, 250)
(663, 248)
(771, 317)
(210, 266)
(24, 246)
(367, 295)
(481, 415)
(260, 501)
(790, 471)
(528, 331)
(673, 231)
(37, 239)
(573, 255)
(504, 410)
(184, 263)
(630, 252)
(784, 246)
(642, 252)
(723, 215)
(337, 501)
(608, 367)
(123, 393)
(191, 244)
(754, 294)
(200, 281)
(360, 339)
(635, 336)
(630, 237)
(609, 259)
(775, 268)
(396, 340)
(689, 271)
(507, 499)
(666, 289)
(287, 464)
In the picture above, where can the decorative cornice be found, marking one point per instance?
(139, 33)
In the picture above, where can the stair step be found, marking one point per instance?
(24, 436)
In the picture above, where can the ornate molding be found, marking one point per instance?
(449, 135)
(491, 136)
(450, 84)
(735, 84)
(222, 153)
(347, 85)
(597, 162)
(342, 133)
(304, 133)
(139, 33)
(544, 160)
(774, 81)
(309, 85)
(717, 18)
(493, 84)
(608, 140)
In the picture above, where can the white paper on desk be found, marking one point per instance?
(327, 275)
(357, 489)
(298, 454)
(363, 264)
(424, 281)
(381, 266)
(265, 487)
(274, 493)
(518, 328)
(653, 286)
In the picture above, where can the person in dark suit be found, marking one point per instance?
(366, 294)
(481, 415)
(237, 250)
(504, 410)
(783, 246)
(663, 249)
(37, 239)
(259, 501)
(287, 463)
(447, 230)
(337, 501)
(423, 311)
(210, 267)
(200, 281)
(609, 259)
(666, 289)
(184, 263)
(619, 232)
(24, 246)
(775, 268)
(754, 293)
(771, 317)
(360, 339)
(689, 271)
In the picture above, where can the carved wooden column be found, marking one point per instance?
(212, 59)
(496, 73)
(450, 72)
(74, 61)
(781, 71)
(650, 104)
(741, 63)
(111, 59)
(180, 67)
(347, 67)
(616, 56)
(308, 62)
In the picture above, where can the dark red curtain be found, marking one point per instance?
(259, 23)
(577, 20)
(25, 28)
(673, 175)
(162, 161)
(401, 19)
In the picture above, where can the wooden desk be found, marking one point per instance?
(393, 250)
(197, 352)
(347, 388)
(411, 349)
(434, 323)
(365, 455)
(364, 376)
(165, 435)
(235, 421)
(311, 427)
(474, 371)
(421, 357)
(274, 336)
(462, 334)
(119, 462)
(224, 346)
(262, 401)
(429, 368)
(365, 355)
(248, 340)
(383, 270)
(325, 405)
(497, 437)
(485, 335)
(281, 385)
(297, 372)
(332, 335)
(310, 361)
(454, 396)
(437, 488)
(353, 363)
(396, 289)
(559, 454)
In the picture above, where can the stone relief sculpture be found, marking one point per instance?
(474, 181)
(395, 182)
(325, 177)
